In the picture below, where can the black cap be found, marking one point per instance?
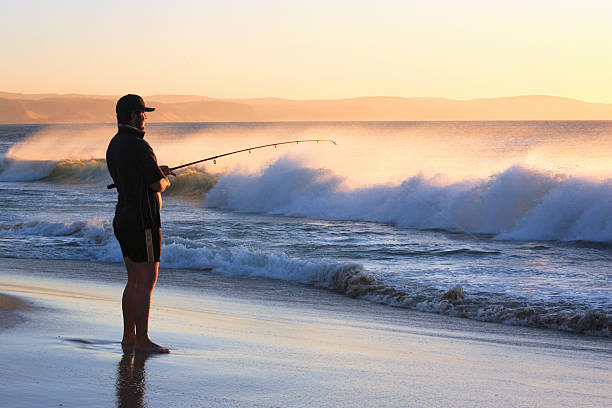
(131, 103)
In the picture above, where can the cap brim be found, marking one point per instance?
(149, 109)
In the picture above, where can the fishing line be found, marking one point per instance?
(248, 149)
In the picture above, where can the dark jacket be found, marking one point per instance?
(133, 167)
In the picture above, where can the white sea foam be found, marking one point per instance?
(518, 203)
(95, 230)
(573, 210)
(94, 237)
(354, 281)
(97, 243)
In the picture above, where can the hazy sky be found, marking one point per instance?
(309, 49)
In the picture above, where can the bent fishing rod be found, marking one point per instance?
(248, 149)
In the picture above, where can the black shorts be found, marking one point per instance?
(140, 245)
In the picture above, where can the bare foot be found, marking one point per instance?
(149, 347)
(127, 348)
(128, 342)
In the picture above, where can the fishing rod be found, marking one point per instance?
(248, 149)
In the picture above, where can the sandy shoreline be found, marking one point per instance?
(247, 342)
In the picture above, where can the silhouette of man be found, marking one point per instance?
(137, 225)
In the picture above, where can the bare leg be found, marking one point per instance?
(127, 302)
(146, 277)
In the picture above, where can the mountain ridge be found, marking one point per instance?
(76, 108)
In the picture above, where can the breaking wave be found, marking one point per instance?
(25, 170)
(93, 240)
(188, 184)
(191, 184)
(69, 171)
(79, 172)
(517, 204)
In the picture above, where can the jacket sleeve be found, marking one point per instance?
(148, 163)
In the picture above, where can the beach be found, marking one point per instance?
(273, 344)
(351, 204)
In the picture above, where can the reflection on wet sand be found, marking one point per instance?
(131, 381)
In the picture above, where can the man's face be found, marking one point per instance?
(138, 120)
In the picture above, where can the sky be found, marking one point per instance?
(315, 49)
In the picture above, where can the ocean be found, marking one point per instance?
(504, 222)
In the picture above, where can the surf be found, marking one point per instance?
(518, 203)
(183, 259)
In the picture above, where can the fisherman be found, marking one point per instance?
(137, 226)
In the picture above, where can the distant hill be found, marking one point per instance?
(56, 108)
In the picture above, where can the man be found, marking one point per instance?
(137, 226)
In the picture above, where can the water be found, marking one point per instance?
(506, 222)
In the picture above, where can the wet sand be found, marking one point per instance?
(10, 303)
(11, 311)
(260, 343)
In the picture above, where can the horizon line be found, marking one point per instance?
(51, 94)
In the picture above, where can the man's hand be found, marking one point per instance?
(166, 170)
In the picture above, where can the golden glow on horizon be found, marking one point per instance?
(318, 50)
